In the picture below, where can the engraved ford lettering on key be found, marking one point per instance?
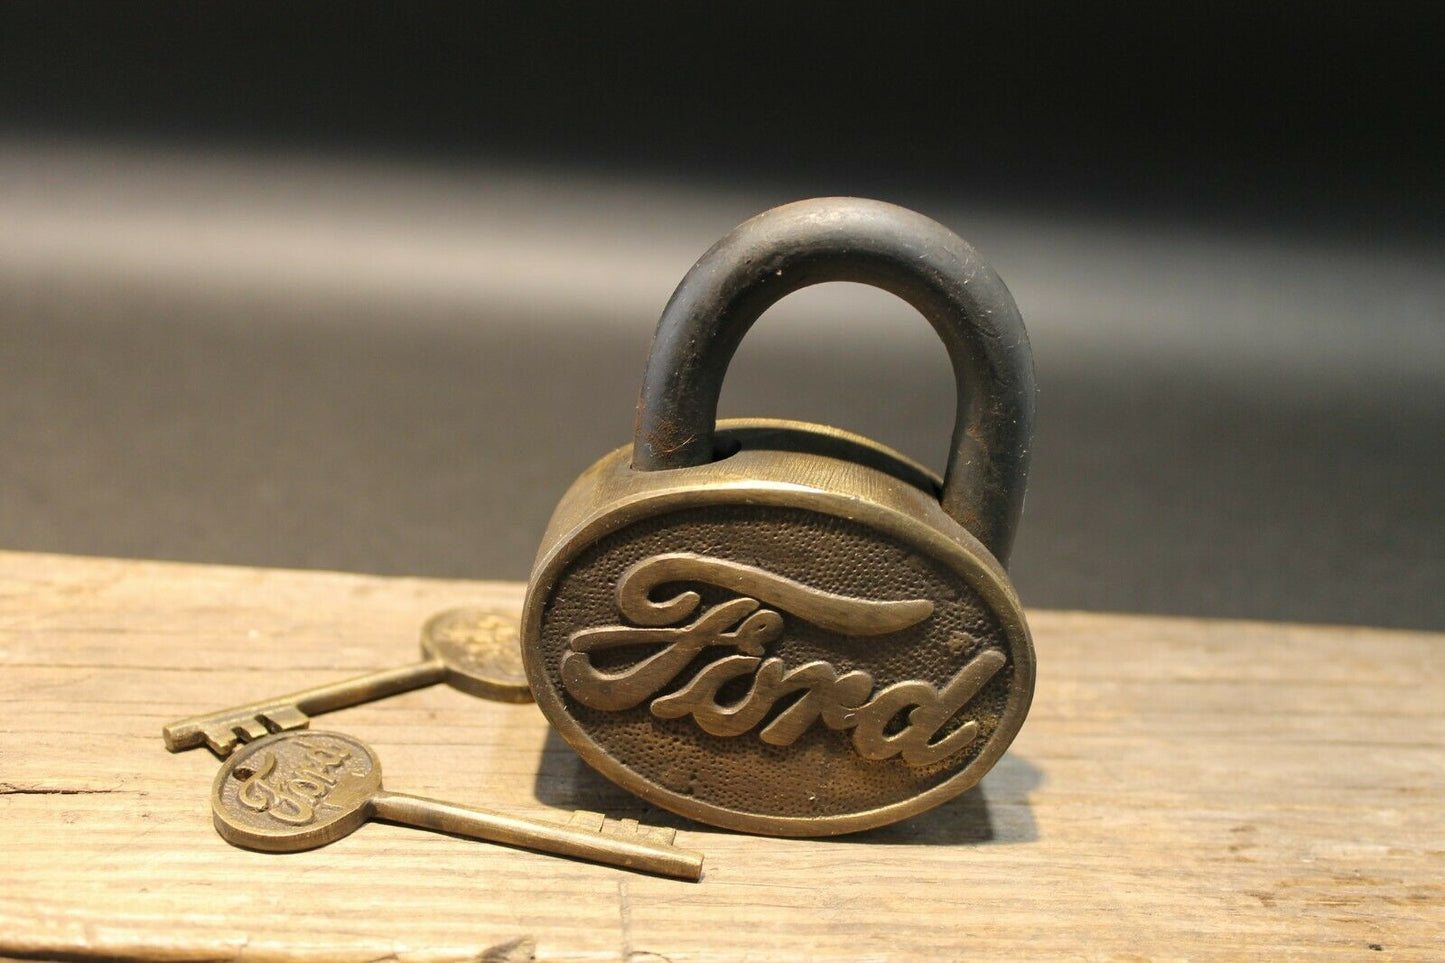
(292, 794)
(306, 783)
(780, 627)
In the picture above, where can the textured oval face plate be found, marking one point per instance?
(294, 790)
(778, 669)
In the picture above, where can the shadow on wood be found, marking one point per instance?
(974, 818)
(565, 781)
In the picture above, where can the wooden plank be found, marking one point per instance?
(1182, 789)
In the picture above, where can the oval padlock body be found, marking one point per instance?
(791, 640)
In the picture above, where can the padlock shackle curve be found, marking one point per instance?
(851, 239)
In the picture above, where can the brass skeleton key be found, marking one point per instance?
(300, 790)
(475, 650)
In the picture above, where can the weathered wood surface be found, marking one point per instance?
(1182, 789)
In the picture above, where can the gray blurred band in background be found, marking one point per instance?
(275, 358)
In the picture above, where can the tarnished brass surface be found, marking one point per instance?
(299, 790)
(481, 649)
(472, 649)
(784, 628)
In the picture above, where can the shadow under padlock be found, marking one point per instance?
(976, 817)
(997, 811)
(783, 628)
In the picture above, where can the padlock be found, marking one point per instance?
(784, 628)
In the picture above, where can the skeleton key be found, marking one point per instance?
(300, 790)
(475, 650)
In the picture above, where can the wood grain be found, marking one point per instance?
(1182, 790)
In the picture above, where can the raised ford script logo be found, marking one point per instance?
(744, 625)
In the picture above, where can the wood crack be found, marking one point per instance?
(11, 789)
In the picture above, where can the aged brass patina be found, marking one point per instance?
(482, 651)
(300, 790)
(784, 628)
(475, 650)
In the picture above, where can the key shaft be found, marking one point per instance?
(629, 853)
(294, 791)
(221, 731)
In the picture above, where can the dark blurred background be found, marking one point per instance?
(365, 287)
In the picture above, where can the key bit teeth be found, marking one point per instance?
(220, 741)
(632, 829)
(588, 820)
(250, 730)
(284, 719)
(665, 835)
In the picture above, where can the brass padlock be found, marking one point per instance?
(779, 627)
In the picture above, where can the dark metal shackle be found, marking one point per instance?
(892, 248)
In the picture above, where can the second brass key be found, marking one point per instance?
(475, 650)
